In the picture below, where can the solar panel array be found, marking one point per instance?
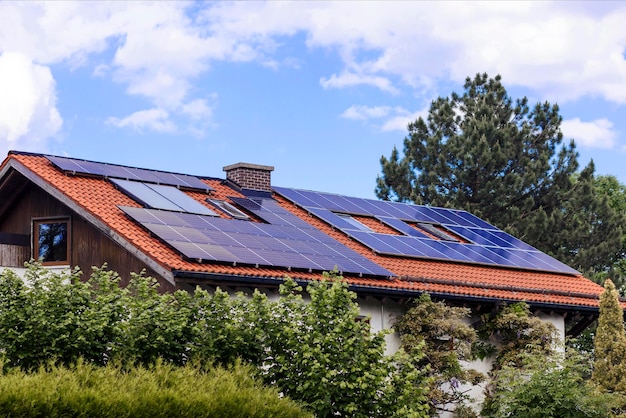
(73, 165)
(287, 243)
(157, 196)
(485, 244)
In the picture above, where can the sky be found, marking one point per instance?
(318, 90)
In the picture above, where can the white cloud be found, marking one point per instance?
(401, 122)
(598, 133)
(365, 112)
(28, 113)
(394, 118)
(352, 79)
(157, 50)
(560, 49)
(198, 109)
(157, 120)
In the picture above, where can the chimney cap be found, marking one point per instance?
(248, 165)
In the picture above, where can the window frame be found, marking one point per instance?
(36, 222)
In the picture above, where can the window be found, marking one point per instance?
(437, 231)
(228, 208)
(51, 241)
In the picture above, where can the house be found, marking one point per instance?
(242, 232)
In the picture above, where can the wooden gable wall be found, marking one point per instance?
(88, 245)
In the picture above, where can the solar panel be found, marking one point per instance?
(157, 196)
(207, 238)
(73, 165)
(485, 244)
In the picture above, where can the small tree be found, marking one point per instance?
(609, 368)
(549, 387)
(439, 332)
(323, 355)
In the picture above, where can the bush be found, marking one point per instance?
(162, 390)
(318, 353)
(549, 387)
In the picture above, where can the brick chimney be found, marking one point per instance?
(250, 176)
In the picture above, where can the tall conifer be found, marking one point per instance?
(504, 161)
(609, 368)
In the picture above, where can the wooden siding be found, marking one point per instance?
(13, 255)
(88, 247)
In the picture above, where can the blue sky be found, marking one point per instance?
(318, 90)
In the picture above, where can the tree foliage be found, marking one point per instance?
(504, 161)
(318, 353)
(549, 387)
(609, 369)
(440, 333)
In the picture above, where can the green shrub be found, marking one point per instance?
(162, 390)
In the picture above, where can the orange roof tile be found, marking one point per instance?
(101, 199)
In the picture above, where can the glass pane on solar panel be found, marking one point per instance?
(220, 238)
(166, 233)
(546, 263)
(514, 242)
(475, 220)
(301, 247)
(555, 264)
(219, 253)
(191, 234)
(297, 260)
(494, 258)
(331, 218)
(512, 257)
(66, 164)
(296, 196)
(97, 169)
(467, 251)
(397, 210)
(322, 201)
(344, 204)
(141, 215)
(370, 240)
(248, 256)
(275, 258)
(197, 221)
(403, 245)
(118, 171)
(471, 235)
(143, 194)
(378, 208)
(455, 218)
(490, 236)
(403, 227)
(323, 262)
(448, 252)
(191, 182)
(169, 218)
(191, 250)
(147, 175)
(184, 202)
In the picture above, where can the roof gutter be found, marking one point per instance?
(373, 290)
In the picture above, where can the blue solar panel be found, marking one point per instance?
(128, 173)
(202, 237)
(486, 244)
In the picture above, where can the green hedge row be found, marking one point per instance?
(162, 390)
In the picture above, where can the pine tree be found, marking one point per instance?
(609, 369)
(504, 161)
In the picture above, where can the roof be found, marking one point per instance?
(113, 211)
